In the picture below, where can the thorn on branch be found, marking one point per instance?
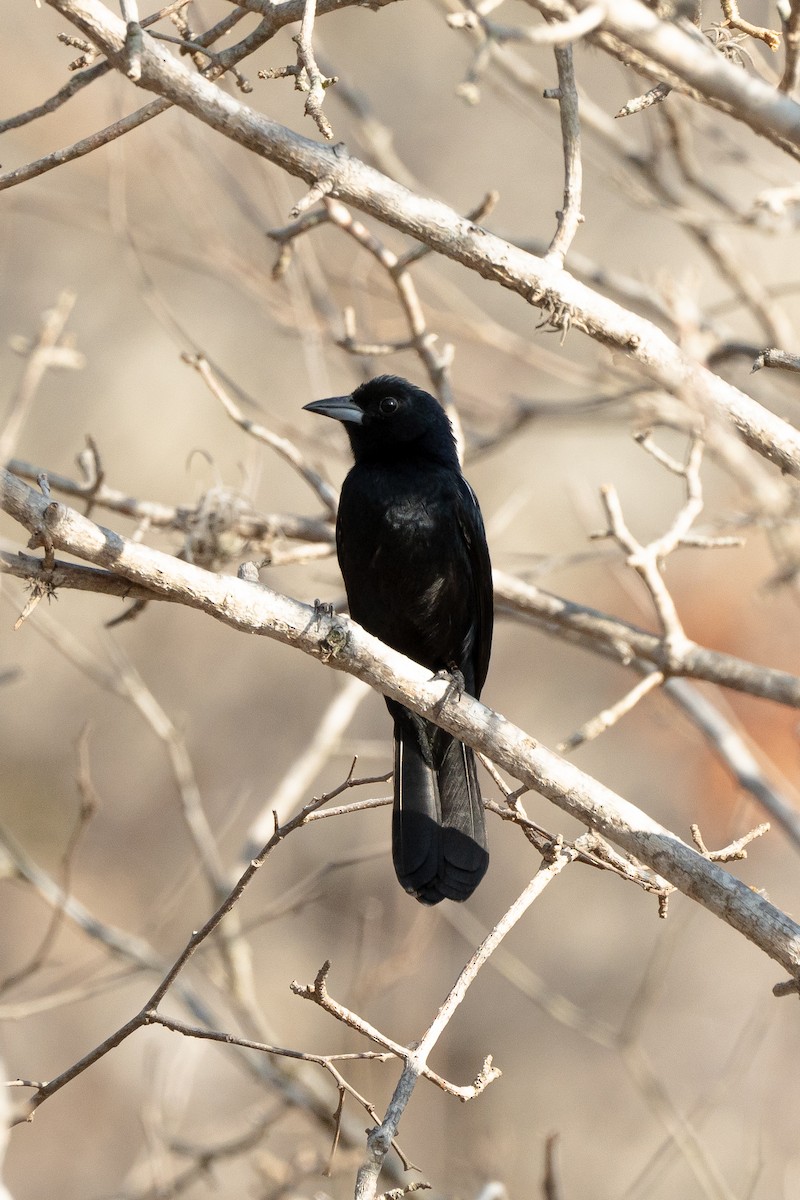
(323, 187)
(487, 1074)
(787, 987)
(316, 991)
(75, 43)
(776, 358)
(38, 590)
(89, 55)
(134, 44)
(646, 100)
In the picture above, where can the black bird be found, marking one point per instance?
(413, 554)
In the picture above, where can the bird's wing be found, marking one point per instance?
(473, 532)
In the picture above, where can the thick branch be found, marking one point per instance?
(690, 64)
(345, 646)
(543, 284)
(626, 642)
(587, 627)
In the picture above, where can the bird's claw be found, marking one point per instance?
(321, 609)
(456, 685)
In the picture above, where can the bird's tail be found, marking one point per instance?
(438, 830)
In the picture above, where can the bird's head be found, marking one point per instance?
(389, 415)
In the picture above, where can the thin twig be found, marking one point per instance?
(50, 350)
(791, 69)
(379, 1139)
(147, 1014)
(609, 716)
(314, 82)
(281, 445)
(283, 799)
(734, 20)
(570, 216)
(647, 560)
(89, 803)
(733, 852)
(436, 362)
(318, 993)
(344, 645)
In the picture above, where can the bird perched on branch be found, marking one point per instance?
(413, 554)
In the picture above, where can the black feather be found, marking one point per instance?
(413, 554)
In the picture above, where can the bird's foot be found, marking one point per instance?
(335, 638)
(456, 685)
(321, 609)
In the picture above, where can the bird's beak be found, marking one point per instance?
(341, 408)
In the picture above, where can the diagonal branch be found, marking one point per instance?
(577, 623)
(625, 642)
(690, 64)
(345, 646)
(541, 283)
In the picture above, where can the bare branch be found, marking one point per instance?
(731, 746)
(791, 70)
(585, 626)
(570, 216)
(648, 560)
(318, 993)
(344, 646)
(311, 78)
(734, 20)
(435, 224)
(379, 1140)
(688, 63)
(50, 350)
(609, 716)
(281, 445)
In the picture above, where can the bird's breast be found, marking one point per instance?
(404, 563)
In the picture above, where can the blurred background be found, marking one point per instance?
(653, 1050)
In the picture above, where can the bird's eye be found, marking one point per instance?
(388, 405)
